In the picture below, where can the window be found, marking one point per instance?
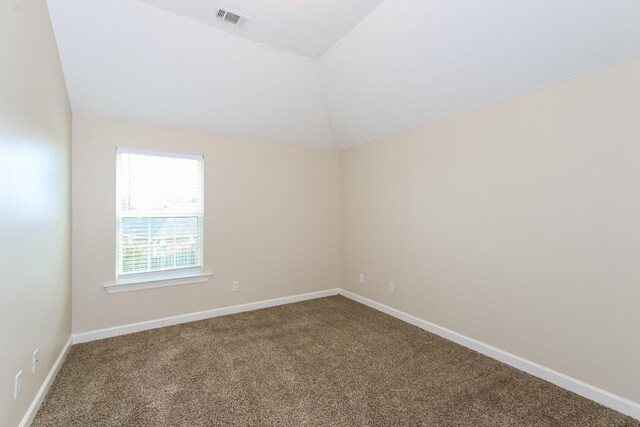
(159, 198)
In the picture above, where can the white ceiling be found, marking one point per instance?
(415, 61)
(303, 27)
(406, 63)
(125, 60)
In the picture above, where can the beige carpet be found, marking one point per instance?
(326, 362)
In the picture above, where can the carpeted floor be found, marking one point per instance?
(326, 362)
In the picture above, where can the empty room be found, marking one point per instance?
(320, 213)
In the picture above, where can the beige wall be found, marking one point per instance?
(517, 224)
(271, 222)
(35, 143)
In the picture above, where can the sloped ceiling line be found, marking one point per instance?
(408, 62)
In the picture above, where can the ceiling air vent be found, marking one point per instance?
(232, 18)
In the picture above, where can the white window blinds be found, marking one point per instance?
(160, 207)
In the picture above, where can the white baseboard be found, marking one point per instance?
(581, 388)
(44, 389)
(191, 317)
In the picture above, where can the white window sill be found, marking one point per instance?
(159, 282)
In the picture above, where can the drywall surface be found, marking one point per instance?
(303, 28)
(271, 222)
(517, 224)
(128, 60)
(410, 62)
(35, 144)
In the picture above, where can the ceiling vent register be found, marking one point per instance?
(232, 18)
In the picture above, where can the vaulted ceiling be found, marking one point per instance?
(307, 28)
(329, 73)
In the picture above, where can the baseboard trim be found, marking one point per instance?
(191, 317)
(44, 388)
(581, 388)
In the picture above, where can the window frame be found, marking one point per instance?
(167, 277)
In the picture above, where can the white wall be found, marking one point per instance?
(35, 143)
(271, 222)
(517, 224)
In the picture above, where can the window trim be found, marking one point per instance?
(159, 153)
(161, 278)
(158, 281)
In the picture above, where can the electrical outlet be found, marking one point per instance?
(236, 286)
(35, 360)
(17, 385)
(392, 288)
(361, 279)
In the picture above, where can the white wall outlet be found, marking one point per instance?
(17, 385)
(35, 360)
(361, 279)
(392, 288)
(236, 286)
